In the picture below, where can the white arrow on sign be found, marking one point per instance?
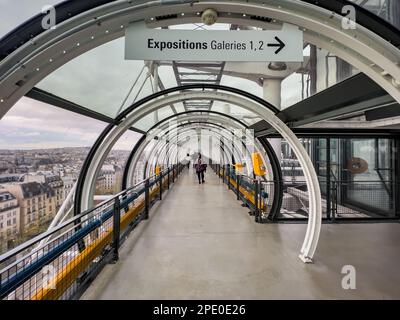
(284, 45)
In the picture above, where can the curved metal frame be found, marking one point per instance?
(130, 167)
(375, 53)
(68, 9)
(171, 147)
(278, 180)
(128, 161)
(134, 113)
(192, 126)
(200, 112)
(143, 139)
(195, 116)
(195, 120)
(107, 131)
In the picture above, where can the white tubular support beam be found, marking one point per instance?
(187, 131)
(315, 212)
(62, 213)
(21, 70)
(190, 117)
(200, 117)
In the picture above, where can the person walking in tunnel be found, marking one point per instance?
(200, 168)
(188, 160)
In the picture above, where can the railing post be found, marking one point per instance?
(146, 199)
(229, 176)
(258, 213)
(168, 179)
(334, 199)
(256, 198)
(116, 229)
(161, 186)
(238, 186)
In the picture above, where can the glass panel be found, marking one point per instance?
(104, 83)
(237, 112)
(389, 10)
(42, 149)
(152, 118)
(319, 156)
(330, 70)
(334, 159)
(368, 186)
(241, 83)
(179, 107)
(360, 184)
(109, 180)
(109, 84)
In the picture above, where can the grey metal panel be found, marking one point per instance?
(354, 94)
(391, 110)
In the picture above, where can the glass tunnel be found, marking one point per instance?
(92, 142)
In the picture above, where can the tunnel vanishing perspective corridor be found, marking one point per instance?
(111, 110)
(200, 243)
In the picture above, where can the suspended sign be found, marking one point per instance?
(285, 45)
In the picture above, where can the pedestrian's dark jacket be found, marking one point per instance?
(200, 167)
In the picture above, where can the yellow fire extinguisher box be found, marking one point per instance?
(239, 167)
(258, 165)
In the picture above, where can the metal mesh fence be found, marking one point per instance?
(53, 265)
(340, 199)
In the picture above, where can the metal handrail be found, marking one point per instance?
(66, 235)
(4, 257)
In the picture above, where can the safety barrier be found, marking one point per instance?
(75, 251)
(341, 200)
(251, 191)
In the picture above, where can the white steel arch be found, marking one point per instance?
(203, 117)
(315, 213)
(33, 61)
(190, 117)
(235, 149)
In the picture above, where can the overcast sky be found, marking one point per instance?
(99, 80)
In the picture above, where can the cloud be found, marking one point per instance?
(32, 124)
(13, 13)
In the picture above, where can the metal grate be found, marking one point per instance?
(195, 73)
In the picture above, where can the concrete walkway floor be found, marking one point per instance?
(199, 243)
